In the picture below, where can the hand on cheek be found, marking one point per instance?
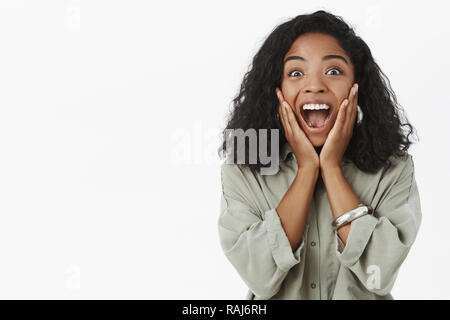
(303, 150)
(340, 135)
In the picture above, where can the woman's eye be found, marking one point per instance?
(335, 69)
(297, 73)
(291, 74)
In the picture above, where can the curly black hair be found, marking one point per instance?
(379, 135)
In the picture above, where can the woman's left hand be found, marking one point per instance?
(339, 136)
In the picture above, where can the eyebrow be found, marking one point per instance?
(327, 57)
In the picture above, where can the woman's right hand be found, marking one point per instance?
(304, 151)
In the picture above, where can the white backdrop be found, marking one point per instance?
(110, 113)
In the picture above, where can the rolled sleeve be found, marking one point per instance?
(360, 232)
(377, 245)
(282, 252)
(255, 243)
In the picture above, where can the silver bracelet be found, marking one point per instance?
(351, 215)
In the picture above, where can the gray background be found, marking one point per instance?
(109, 119)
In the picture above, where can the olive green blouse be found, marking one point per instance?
(254, 241)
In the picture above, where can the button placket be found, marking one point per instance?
(314, 253)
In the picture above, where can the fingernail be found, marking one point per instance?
(285, 104)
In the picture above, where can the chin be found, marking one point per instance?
(317, 141)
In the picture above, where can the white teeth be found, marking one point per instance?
(315, 106)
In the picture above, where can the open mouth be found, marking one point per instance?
(316, 118)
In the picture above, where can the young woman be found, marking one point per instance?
(341, 214)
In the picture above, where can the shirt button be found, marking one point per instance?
(313, 243)
(313, 285)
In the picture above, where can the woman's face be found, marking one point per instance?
(316, 71)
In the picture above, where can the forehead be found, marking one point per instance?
(311, 45)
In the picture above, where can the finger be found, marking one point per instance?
(293, 123)
(292, 119)
(283, 114)
(280, 94)
(348, 107)
(352, 110)
(355, 108)
(348, 110)
(285, 108)
(283, 120)
(280, 110)
(340, 120)
(280, 105)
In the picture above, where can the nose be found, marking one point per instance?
(313, 90)
(314, 85)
